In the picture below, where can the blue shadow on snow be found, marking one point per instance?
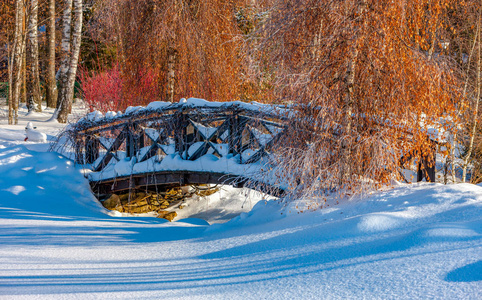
(469, 273)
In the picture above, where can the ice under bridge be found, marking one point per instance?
(173, 144)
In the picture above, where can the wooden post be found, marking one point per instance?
(134, 141)
(140, 140)
(231, 125)
(130, 142)
(79, 149)
(91, 149)
(235, 134)
(239, 135)
(178, 132)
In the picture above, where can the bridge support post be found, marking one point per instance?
(180, 134)
(79, 150)
(130, 142)
(134, 140)
(91, 149)
(234, 134)
(236, 128)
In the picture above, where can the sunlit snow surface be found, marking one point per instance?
(419, 241)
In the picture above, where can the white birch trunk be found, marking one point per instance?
(15, 63)
(51, 86)
(69, 63)
(74, 60)
(62, 74)
(33, 83)
(452, 156)
(464, 98)
(171, 73)
(476, 108)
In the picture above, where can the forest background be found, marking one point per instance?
(370, 80)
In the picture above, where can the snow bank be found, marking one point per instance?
(412, 242)
(419, 241)
(44, 183)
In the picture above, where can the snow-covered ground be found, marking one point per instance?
(419, 241)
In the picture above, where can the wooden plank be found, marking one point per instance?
(167, 178)
(79, 150)
(91, 149)
(114, 147)
(262, 151)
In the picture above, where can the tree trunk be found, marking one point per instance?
(51, 85)
(15, 63)
(23, 91)
(70, 59)
(452, 156)
(11, 51)
(33, 83)
(62, 75)
(10, 97)
(476, 109)
(349, 99)
(464, 98)
(171, 73)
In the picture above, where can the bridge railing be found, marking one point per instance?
(233, 130)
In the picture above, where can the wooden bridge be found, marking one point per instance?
(187, 143)
(192, 142)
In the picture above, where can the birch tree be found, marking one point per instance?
(474, 95)
(15, 63)
(463, 45)
(70, 49)
(65, 56)
(50, 82)
(33, 79)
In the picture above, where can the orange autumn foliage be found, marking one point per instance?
(369, 79)
(190, 46)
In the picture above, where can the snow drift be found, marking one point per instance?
(419, 241)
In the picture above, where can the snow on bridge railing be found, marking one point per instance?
(96, 117)
(232, 138)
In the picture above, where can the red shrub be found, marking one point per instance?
(110, 90)
(102, 90)
(140, 88)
